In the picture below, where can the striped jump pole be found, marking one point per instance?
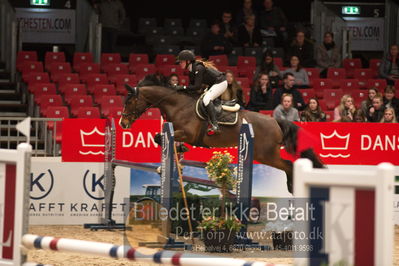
(135, 254)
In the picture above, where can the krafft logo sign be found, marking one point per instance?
(41, 184)
(337, 143)
(93, 184)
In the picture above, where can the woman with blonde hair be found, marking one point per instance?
(389, 116)
(345, 110)
(234, 90)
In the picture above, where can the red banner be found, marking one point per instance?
(336, 143)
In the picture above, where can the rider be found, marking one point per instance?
(203, 72)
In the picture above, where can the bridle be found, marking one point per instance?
(136, 114)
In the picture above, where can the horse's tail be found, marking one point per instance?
(297, 144)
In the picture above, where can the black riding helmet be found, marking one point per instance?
(186, 55)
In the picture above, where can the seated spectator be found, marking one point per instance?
(273, 22)
(300, 74)
(390, 100)
(288, 87)
(228, 27)
(268, 66)
(359, 116)
(233, 91)
(313, 112)
(327, 54)
(247, 9)
(248, 34)
(345, 111)
(389, 116)
(214, 43)
(303, 49)
(173, 80)
(285, 110)
(389, 68)
(366, 104)
(376, 112)
(261, 94)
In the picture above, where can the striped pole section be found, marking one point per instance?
(131, 253)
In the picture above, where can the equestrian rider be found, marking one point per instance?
(203, 73)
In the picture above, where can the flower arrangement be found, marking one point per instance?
(212, 223)
(220, 171)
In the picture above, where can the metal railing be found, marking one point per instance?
(44, 132)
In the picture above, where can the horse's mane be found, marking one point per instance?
(156, 79)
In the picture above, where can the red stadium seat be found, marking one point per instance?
(329, 115)
(80, 58)
(101, 90)
(90, 112)
(167, 70)
(350, 64)
(64, 78)
(165, 59)
(307, 94)
(359, 96)
(247, 71)
(151, 113)
(80, 101)
(115, 69)
(374, 66)
(142, 70)
(46, 100)
(332, 97)
(219, 60)
(380, 84)
(348, 85)
(321, 84)
(120, 80)
(88, 68)
(24, 56)
(59, 67)
(110, 58)
(71, 90)
(278, 61)
(243, 82)
(247, 61)
(363, 75)
(51, 57)
(107, 102)
(31, 66)
(115, 112)
(267, 112)
(313, 72)
(95, 78)
(335, 74)
(56, 112)
(138, 59)
(36, 77)
(42, 88)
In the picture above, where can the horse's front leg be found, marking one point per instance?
(180, 135)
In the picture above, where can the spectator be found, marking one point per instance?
(376, 112)
(173, 80)
(389, 68)
(359, 116)
(313, 112)
(261, 94)
(300, 74)
(214, 43)
(285, 110)
(303, 49)
(390, 100)
(234, 90)
(327, 54)
(272, 21)
(248, 34)
(228, 27)
(246, 10)
(389, 116)
(345, 111)
(288, 87)
(366, 104)
(111, 15)
(268, 66)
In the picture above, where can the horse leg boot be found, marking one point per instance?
(210, 108)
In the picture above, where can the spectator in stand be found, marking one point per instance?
(248, 34)
(359, 116)
(247, 9)
(285, 110)
(376, 112)
(313, 112)
(111, 15)
(228, 27)
(288, 87)
(268, 66)
(366, 104)
(389, 68)
(345, 111)
(327, 54)
(389, 116)
(302, 48)
(234, 90)
(272, 21)
(300, 74)
(214, 43)
(261, 94)
(390, 100)
(173, 80)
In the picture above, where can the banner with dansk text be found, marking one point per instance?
(336, 143)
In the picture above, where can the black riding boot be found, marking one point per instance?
(210, 108)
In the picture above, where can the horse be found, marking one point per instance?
(178, 107)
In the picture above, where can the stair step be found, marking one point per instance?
(13, 106)
(10, 95)
(5, 75)
(7, 85)
(13, 114)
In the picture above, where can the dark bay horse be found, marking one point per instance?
(179, 108)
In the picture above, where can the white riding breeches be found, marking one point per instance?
(215, 91)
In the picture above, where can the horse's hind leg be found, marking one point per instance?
(287, 167)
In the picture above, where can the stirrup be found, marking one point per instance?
(213, 130)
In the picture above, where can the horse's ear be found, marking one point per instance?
(132, 90)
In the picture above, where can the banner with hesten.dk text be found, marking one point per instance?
(336, 143)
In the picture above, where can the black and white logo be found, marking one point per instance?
(41, 184)
(93, 184)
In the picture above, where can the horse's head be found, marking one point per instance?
(133, 108)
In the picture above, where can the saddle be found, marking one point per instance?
(226, 111)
